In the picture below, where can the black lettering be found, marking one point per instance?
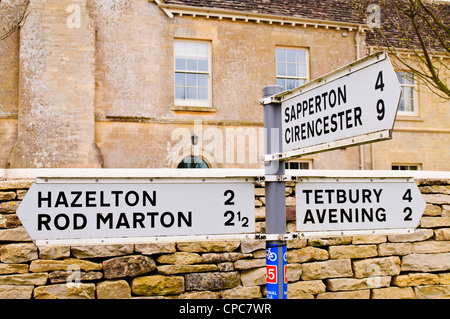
(366, 193)
(293, 117)
(318, 196)
(311, 105)
(299, 109)
(329, 192)
(182, 218)
(307, 192)
(296, 133)
(303, 131)
(116, 196)
(286, 115)
(75, 200)
(340, 196)
(61, 200)
(348, 118)
(317, 130)
(123, 221)
(347, 216)
(136, 198)
(318, 100)
(377, 194)
(152, 218)
(368, 215)
(332, 217)
(354, 199)
(309, 217)
(304, 107)
(105, 219)
(380, 214)
(324, 98)
(286, 135)
(321, 217)
(138, 218)
(66, 221)
(325, 125)
(171, 219)
(44, 199)
(90, 199)
(342, 95)
(44, 220)
(76, 219)
(333, 123)
(102, 200)
(310, 127)
(341, 114)
(332, 98)
(358, 113)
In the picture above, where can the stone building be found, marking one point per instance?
(177, 83)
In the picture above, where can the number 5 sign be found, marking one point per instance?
(353, 105)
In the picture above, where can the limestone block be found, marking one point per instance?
(306, 254)
(154, 248)
(13, 269)
(418, 235)
(16, 292)
(300, 288)
(433, 222)
(394, 249)
(221, 257)
(4, 196)
(433, 292)
(369, 239)
(14, 234)
(128, 266)
(330, 241)
(53, 265)
(38, 279)
(249, 246)
(9, 207)
(444, 278)
(442, 234)
(432, 210)
(294, 272)
(183, 269)
(54, 252)
(74, 276)
(415, 279)
(241, 292)
(65, 291)
(9, 221)
(182, 258)
(15, 184)
(431, 247)
(209, 246)
(353, 251)
(254, 277)
(393, 293)
(327, 269)
(212, 280)
(387, 266)
(18, 253)
(115, 289)
(249, 263)
(437, 198)
(343, 284)
(360, 294)
(95, 251)
(157, 285)
(426, 262)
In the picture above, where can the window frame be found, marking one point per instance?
(193, 103)
(418, 167)
(307, 71)
(415, 105)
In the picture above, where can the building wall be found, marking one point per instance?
(90, 84)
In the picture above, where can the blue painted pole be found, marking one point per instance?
(275, 200)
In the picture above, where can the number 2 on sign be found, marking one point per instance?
(229, 214)
(407, 210)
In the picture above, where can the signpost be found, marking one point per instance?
(100, 211)
(326, 207)
(353, 105)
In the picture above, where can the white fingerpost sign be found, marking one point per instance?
(101, 211)
(352, 105)
(325, 206)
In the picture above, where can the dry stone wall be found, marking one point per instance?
(377, 266)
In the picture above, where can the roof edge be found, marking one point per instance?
(235, 15)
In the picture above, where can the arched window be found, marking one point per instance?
(193, 162)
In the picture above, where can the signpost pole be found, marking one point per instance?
(275, 200)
